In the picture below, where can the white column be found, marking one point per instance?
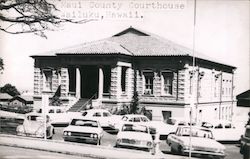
(100, 88)
(78, 83)
(45, 104)
(118, 86)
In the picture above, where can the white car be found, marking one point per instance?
(34, 125)
(160, 127)
(174, 122)
(81, 129)
(135, 135)
(202, 142)
(58, 116)
(105, 118)
(224, 130)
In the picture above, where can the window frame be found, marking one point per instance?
(145, 80)
(163, 79)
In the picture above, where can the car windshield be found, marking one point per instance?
(196, 132)
(135, 128)
(81, 122)
(35, 118)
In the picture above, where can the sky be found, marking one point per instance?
(221, 32)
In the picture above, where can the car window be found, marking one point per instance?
(182, 123)
(106, 114)
(51, 111)
(144, 119)
(86, 123)
(84, 113)
(137, 119)
(207, 125)
(132, 119)
(124, 118)
(228, 126)
(135, 128)
(97, 114)
(58, 111)
(219, 126)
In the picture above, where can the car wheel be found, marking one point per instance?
(180, 150)
(172, 150)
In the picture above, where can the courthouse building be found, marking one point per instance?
(107, 72)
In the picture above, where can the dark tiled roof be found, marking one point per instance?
(132, 42)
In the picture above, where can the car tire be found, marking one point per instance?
(172, 150)
(180, 150)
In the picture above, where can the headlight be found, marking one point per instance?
(91, 135)
(118, 140)
(65, 133)
(149, 143)
(69, 133)
(95, 135)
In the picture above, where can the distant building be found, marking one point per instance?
(21, 101)
(107, 72)
(243, 106)
(4, 98)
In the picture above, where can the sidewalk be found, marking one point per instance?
(93, 151)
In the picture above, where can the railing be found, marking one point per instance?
(88, 102)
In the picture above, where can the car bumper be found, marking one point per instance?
(78, 138)
(204, 152)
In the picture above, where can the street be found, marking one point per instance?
(21, 153)
(232, 150)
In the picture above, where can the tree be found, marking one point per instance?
(134, 104)
(11, 90)
(30, 16)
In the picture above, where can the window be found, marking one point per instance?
(167, 83)
(48, 79)
(97, 114)
(149, 78)
(123, 79)
(106, 114)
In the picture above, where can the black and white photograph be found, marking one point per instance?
(124, 79)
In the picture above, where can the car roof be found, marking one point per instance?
(195, 127)
(135, 115)
(96, 110)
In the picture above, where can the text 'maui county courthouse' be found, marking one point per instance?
(110, 70)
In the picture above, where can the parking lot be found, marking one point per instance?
(232, 149)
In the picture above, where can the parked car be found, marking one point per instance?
(34, 125)
(160, 127)
(58, 116)
(81, 129)
(223, 130)
(202, 142)
(245, 143)
(105, 118)
(174, 122)
(135, 136)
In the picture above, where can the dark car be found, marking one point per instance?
(245, 143)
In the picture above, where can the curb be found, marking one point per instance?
(127, 152)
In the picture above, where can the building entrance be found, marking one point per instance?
(89, 81)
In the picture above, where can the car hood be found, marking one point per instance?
(134, 135)
(83, 129)
(32, 127)
(202, 142)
